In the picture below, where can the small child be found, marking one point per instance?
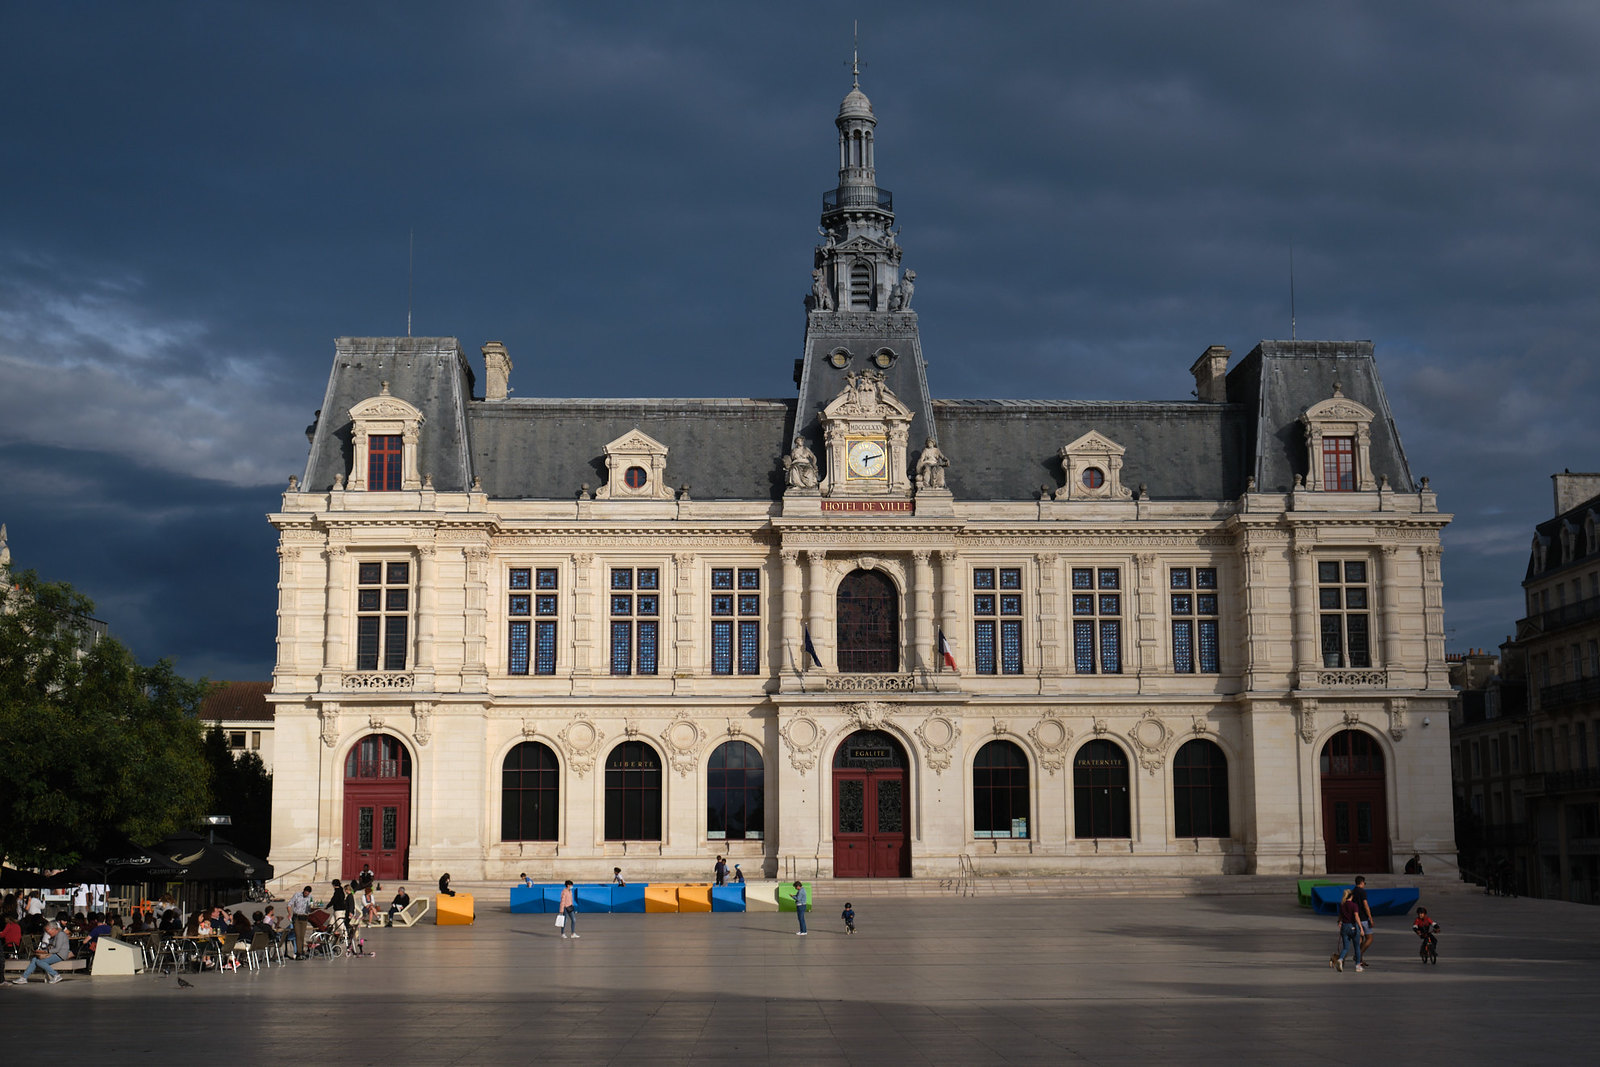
(849, 917)
(1427, 932)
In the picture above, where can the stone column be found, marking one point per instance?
(358, 459)
(924, 657)
(950, 601)
(410, 476)
(1146, 605)
(583, 623)
(1433, 615)
(336, 596)
(1047, 641)
(427, 615)
(475, 638)
(1306, 658)
(1389, 589)
(818, 614)
(685, 663)
(794, 652)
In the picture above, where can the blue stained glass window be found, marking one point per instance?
(517, 655)
(983, 660)
(622, 605)
(1083, 646)
(722, 578)
(1210, 659)
(519, 605)
(749, 648)
(545, 605)
(649, 578)
(647, 648)
(649, 605)
(1182, 604)
(1010, 578)
(983, 604)
(1111, 604)
(722, 605)
(1011, 605)
(544, 648)
(1180, 578)
(983, 579)
(749, 605)
(621, 579)
(1109, 578)
(1206, 604)
(520, 577)
(1083, 605)
(622, 648)
(1082, 578)
(722, 648)
(1011, 647)
(1111, 647)
(547, 578)
(1205, 578)
(749, 579)
(1183, 646)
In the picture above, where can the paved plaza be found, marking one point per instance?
(927, 980)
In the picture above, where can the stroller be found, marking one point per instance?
(1427, 932)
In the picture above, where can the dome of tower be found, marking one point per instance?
(856, 106)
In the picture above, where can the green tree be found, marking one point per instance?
(241, 789)
(93, 745)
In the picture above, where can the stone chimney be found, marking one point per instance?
(1211, 375)
(497, 368)
(1573, 489)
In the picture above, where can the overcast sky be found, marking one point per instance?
(195, 200)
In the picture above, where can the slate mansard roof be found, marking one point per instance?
(731, 449)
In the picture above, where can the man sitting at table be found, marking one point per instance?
(53, 948)
(99, 929)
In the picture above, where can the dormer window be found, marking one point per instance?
(384, 433)
(636, 467)
(1339, 464)
(383, 462)
(1339, 445)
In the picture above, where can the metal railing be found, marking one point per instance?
(1578, 691)
(964, 882)
(848, 196)
(1564, 615)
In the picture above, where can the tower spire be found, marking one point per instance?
(855, 54)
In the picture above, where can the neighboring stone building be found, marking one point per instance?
(1489, 762)
(1556, 656)
(242, 710)
(861, 630)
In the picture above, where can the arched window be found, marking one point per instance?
(1200, 790)
(861, 285)
(1352, 754)
(633, 793)
(1100, 791)
(869, 624)
(529, 793)
(377, 756)
(735, 793)
(1000, 791)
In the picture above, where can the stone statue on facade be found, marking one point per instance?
(800, 466)
(930, 466)
(900, 298)
(821, 297)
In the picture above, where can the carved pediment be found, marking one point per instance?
(866, 397)
(864, 431)
(636, 469)
(1092, 466)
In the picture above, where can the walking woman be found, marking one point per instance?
(569, 910)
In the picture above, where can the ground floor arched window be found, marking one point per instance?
(1100, 791)
(1000, 791)
(633, 793)
(735, 793)
(1200, 790)
(529, 793)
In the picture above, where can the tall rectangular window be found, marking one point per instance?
(997, 620)
(735, 620)
(1339, 464)
(1195, 641)
(383, 463)
(1097, 620)
(635, 619)
(1344, 606)
(531, 606)
(383, 615)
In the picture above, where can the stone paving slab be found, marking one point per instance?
(926, 981)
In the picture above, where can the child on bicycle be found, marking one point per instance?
(849, 917)
(1427, 932)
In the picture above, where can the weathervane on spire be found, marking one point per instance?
(855, 54)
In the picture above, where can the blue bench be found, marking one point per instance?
(1398, 900)
(590, 898)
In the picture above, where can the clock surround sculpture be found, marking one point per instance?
(866, 416)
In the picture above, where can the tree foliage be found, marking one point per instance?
(241, 789)
(93, 745)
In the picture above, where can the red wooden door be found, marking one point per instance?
(869, 824)
(1355, 815)
(377, 825)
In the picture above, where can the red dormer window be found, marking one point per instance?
(383, 463)
(1339, 464)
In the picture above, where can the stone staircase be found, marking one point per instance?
(1109, 885)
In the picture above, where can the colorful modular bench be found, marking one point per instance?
(654, 898)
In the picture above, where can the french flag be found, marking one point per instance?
(944, 650)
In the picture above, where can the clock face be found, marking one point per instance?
(867, 458)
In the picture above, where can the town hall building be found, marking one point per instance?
(860, 630)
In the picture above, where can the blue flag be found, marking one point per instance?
(811, 650)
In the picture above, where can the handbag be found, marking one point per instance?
(561, 921)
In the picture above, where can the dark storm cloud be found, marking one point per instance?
(198, 198)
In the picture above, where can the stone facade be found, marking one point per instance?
(1168, 583)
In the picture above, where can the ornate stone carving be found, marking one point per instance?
(790, 557)
(1350, 678)
(931, 464)
(1397, 717)
(422, 716)
(683, 560)
(630, 728)
(1052, 736)
(1100, 728)
(803, 738)
(868, 715)
(1352, 717)
(329, 715)
(583, 560)
(376, 680)
(529, 730)
(1202, 725)
(938, 735)
(1150, 736)
(735, 730)
(1308, 720)
(800, 466)
(683, 737)
(1092, 466)
(635, 450)
(581, 740)
(375, 722)
(870, 683)
(868, 416)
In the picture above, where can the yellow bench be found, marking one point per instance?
(453, 911)
(694, 898)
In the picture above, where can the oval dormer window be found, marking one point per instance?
(1093, 478)
(635, 477)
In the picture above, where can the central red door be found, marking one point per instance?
(870, 831)
(377, 808)
(1355, 818)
